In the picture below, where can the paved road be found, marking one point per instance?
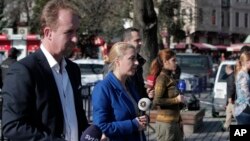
(210, 129)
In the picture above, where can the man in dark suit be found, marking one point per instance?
(41, 95)
(231, 93)
(132, 36)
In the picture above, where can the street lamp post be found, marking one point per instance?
(164, 35)
(188, 39)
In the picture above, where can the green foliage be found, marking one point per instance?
(35, 19)
(169, 18)
(1, 9)
(103, 17)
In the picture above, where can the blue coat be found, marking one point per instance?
(113, 112)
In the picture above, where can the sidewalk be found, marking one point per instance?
(210, 130)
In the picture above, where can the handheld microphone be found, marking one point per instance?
(181, 86)
(92, 133)
(144, 104)
(151, 81)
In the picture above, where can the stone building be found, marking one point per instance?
(217, 22)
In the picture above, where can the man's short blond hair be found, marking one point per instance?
(50, 12)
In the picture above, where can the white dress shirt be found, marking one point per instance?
(66, 95)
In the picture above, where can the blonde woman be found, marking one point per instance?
(242, 103)
(115, 109)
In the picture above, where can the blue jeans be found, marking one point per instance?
(243, 118)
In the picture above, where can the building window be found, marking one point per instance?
(221, 41)
(183, 12)
(228, 19)
(196, 39)
(200, 15)
(237, 19)
(225, 3)
(191, 15)
(246, 20)
(222, 19)
(209, 40)
(213, 17)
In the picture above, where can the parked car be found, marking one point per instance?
(197, 65)
(220, 89)
(91, 70)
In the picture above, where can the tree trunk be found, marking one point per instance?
(145, 19)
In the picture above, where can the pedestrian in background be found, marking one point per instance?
(231, 93)
(41, 93)
(242, 103)
(115, 99)
(11, 59)
(166, 98)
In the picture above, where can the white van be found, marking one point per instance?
(220, 89)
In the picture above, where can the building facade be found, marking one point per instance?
(217, 22)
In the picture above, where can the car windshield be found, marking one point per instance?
(91, 68)
(195, 62)
(223, 75)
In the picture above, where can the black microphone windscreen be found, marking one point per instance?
(92, 133)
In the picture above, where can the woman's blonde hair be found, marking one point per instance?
(116, 51)
(244, 57)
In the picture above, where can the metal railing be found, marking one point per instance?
(86, 91)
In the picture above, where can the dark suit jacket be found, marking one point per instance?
(5, 66)
(231, 87)
(138, 79)
(32, 108)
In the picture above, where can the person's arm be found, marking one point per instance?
(242, 80)
(18, 107)
(230, 88)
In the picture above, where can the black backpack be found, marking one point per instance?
(193, 103)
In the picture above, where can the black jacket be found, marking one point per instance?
(231, 90)
(5, 66)
(32, 109)
(138, 79)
